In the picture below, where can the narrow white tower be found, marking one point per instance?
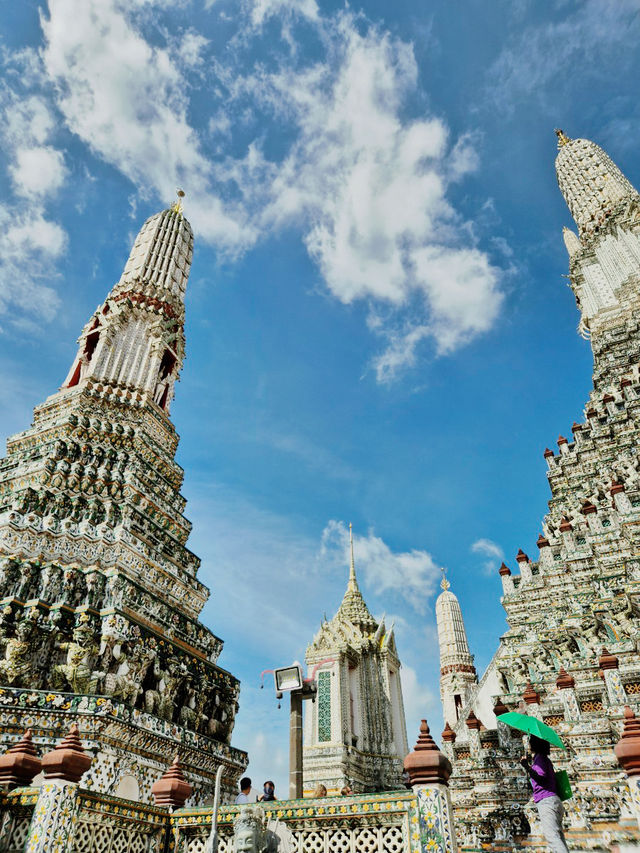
(605, 255)
(457, 672)
(355, 733)
(132, 348)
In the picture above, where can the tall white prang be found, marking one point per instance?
(99, 596)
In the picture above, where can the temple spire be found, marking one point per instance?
(177, 206)
(457, 672)
(591, 182)
(444, 583)
(353, 607)
(132, 348)
(353, 582)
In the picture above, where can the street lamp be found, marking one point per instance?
(289, 679)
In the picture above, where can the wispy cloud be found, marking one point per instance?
(371, 189)
(365, 184)
(491, 551)
(583, 40)
(127, 100)
(410, 575)
(419, 703)
(30, 241)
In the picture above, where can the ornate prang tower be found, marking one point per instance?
(571, 653)
(99, 599)
(355, 732)
(457, 673)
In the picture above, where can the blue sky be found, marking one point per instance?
(378, 327)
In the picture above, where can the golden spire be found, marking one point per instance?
(444, 583)
(177, 207)
(353, 607)
(352, 568)
(562, 137)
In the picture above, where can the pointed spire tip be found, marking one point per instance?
(444, 583)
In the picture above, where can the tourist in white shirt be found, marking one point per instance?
(247, 793)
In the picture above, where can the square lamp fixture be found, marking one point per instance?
(288, 678)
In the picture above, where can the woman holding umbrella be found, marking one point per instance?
(545, 793)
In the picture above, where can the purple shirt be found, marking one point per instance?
(544, 780)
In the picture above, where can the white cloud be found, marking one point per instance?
(33, 233)
(30, 242)
(371, 191)
(400, 352)
(261, 10)
(463, 293)
(412, 575)
(28, 121)
(38, 171)
(128, 101)
(490, 550)
(191, 47)
(365, 184)
(419, 703)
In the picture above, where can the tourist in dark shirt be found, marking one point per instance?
(269, 792)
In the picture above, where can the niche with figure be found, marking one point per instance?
(84, 358)
(165, 374)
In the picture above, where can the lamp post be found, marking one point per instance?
(289, 679)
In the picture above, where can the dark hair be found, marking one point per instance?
(539, 746)
(245, 783)
(269, 782)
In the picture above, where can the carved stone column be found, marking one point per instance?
(609, 671)
(566, 684)
(532, 699)
(507, 580)
(55, 812)
(431, 820)
(627, 751)
(448, 739)
(473, 727)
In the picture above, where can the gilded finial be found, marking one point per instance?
(444, 583)
(177, 207)
(562, 137)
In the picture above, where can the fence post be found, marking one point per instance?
(431, 821)
(56, 811)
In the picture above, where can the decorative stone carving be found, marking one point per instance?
(16, 666)
(582, 594)
(77, 673)
(94, 531)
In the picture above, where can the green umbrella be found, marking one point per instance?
(532, 726)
